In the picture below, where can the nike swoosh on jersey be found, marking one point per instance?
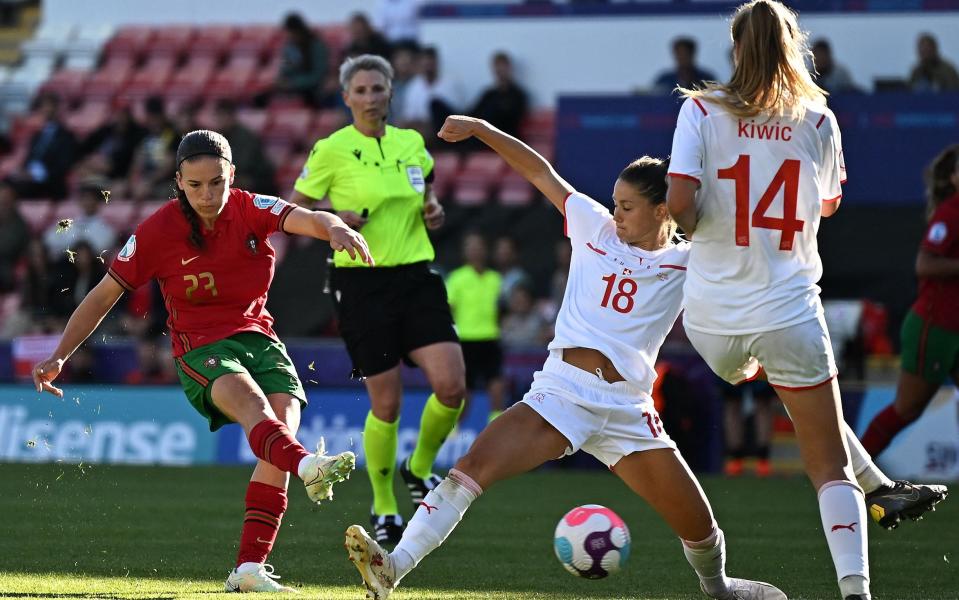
(189, 260)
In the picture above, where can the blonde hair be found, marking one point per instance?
(770, 76)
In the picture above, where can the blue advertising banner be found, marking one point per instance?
(156, 425)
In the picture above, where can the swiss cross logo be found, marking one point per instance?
(627, 271)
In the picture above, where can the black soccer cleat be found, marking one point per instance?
(856, 597)
(418, 487)
(387, 529)
(889, 506)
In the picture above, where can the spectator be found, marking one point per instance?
(78, 273)
(563, 252)
(403, 59)
(89, 227)
(52, 152)
(473, 291)
(306, 61)
(523, 326)
(364, 39)
(108, 150)
(430, 98)
(503, 104)
(830, 75)
(14, 238)
(399, 20)
(186, 119)
(38, 292)
(686, 74)
(151, 174)
(253, 169)
(735, 422)
(506, 261)
(932, 73)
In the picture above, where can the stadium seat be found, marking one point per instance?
(256, 40)
(337, 37)
(213, 40)
(471, 190)
(290, 123)
(23, 128)
(190, 80)
(254, 119)
(121, 213)
(37, 213)
(233, 81)
(515, 190)
(484, 164)
(91, 115)
(48, 40)
(288, 171)
(66, 83)
(278, 151)
(129, 40)
(446, 165)
(327, 121)
(148, 208)
(539, 126)
(170, 40)
(151, 79)
(108, 80)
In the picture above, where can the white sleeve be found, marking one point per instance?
(833, 173)
(583, 217)
(686, 158)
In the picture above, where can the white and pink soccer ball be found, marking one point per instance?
(591, 541)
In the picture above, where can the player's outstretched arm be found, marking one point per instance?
(526, 161)
(327, 226)
(82, 323)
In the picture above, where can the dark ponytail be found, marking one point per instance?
(647, 175)
(939, 187)
(198, 143)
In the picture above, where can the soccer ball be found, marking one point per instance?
(591, 541)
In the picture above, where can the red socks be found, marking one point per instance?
(882, 429)
(265, 506)
(272, 442)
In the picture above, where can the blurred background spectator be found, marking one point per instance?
(151, 174)
(505, 103)
(108, 150)
(830, 75)
(932, 73)
(399, 20)
(430, 97)
(254, 172)
(404, 59)
(506, 261)
(364, 39)
(685, 73)
(748, 426)
(51, 154)
(14, 237)
(304, 64)
(524, 326)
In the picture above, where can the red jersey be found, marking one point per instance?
(216, 292)
(938, 300)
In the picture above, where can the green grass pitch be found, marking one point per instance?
(135, 532)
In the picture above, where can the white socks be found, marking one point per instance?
(843, 512)
(708, 559)
(436, 517)
(868, 475)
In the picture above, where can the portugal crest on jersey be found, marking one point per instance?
(128, 250)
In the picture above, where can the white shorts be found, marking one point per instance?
(795, 358)
(607, 420)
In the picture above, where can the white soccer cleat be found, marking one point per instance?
(254, 577)
(744, 589)
(373, 563)
(319, 472)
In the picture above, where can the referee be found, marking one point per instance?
(377, 178)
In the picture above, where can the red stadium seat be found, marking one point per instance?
(170, 40)
(291, 123)
(121, 213)
(66, 83)
(106, 82)
(24, 127)
(91, 115)
(446, 166)
(484, 164)
(278, 151)
(129, 40)
(327, 121)
(515, 191)
(255, 120)
(288, 171)
(256, 40)
(471, 190)
(192, 79)
(151, 79)
(337, 38)
(37, 213)
(539, 126)
(231, 82)
(212, 40)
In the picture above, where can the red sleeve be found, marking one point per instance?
(942, 235)
(265, 213)
(135, 263)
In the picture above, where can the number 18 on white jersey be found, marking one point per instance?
(754, 261)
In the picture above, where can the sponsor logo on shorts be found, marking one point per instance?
(212, 362)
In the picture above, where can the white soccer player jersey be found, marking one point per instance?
(754, 261)
(620, 300)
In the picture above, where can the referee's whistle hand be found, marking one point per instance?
(433, 214)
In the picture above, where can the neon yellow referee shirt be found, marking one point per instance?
(473, 298)
(385, 176)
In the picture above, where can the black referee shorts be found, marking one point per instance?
(484, 362)
(387, 312)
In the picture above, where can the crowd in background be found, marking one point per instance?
(131, 157)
